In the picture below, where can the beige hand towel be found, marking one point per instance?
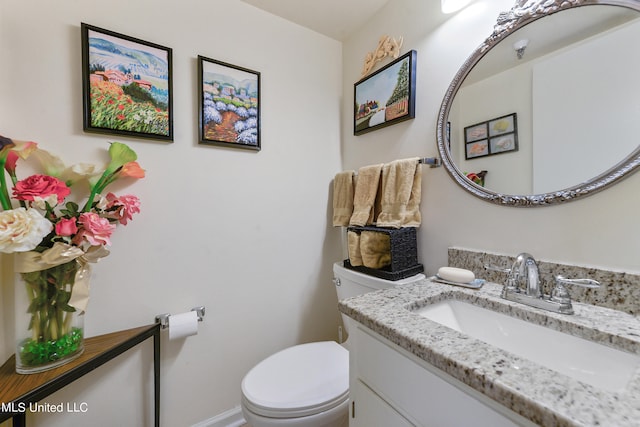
(401, 193)
(375, 249)
(364, 196)
(342, 198)
(413, 217)
(353, 240)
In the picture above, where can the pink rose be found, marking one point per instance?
(66, 227)
(41, 186)
(94, 229)
(123, 207)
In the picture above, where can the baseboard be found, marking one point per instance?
(231, 418)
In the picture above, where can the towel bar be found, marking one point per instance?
(434, 162)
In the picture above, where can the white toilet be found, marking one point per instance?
(307, 385)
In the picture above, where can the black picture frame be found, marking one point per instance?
(495, 136)
(229, 107)
(394, 86)
(127, 85)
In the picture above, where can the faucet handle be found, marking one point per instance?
(585, 283)
(561, 295)
(498, 269)
(511, 285)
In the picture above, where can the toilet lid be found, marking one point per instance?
(299, 381)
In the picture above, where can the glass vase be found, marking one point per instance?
(49, 331)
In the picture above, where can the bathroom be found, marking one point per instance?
(249, 234)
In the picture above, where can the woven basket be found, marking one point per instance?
(404, 254)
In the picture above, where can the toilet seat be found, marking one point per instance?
(298, 381)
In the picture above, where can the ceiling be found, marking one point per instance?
(337, 19)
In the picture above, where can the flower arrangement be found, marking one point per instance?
(54, 239)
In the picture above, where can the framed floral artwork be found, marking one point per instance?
(127, 85)
(229, 107)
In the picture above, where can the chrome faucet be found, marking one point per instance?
(523, 286)
(526, 275)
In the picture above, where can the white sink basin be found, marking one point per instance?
(587, 361)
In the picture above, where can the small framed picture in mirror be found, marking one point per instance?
(495, 136)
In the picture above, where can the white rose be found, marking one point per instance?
(40, 203)
(22, 229)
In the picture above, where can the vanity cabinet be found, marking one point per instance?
(372, 409)
(391, 387)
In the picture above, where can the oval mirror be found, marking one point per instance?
(545, 110)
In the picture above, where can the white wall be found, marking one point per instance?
(245, 234)
(505, 93)
(248, 234)
(598, 231)
(585, 131)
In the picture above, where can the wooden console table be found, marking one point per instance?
(18, 391)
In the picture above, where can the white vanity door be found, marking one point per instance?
(371, 411)
(418, 392)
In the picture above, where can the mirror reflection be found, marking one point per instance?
(552, 105)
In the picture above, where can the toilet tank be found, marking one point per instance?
(350, 283)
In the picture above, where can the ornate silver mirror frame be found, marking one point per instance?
(524, 12)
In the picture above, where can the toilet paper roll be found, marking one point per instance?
(183, 325)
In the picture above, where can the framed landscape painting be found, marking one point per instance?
(229, 108)
(127, 85)
(387, 96)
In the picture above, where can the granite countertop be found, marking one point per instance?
(539, 394)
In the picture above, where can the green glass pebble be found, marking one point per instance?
(33, 353)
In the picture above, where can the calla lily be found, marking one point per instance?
(20, 150)
(10, 166)
(131, 170)
(6, 144)
(128, 170)
(10, 151)
(120, 154)
(54, 166)
(51, 164)
(24, 148)
(4, 194)
(10, 163)
(122, 157)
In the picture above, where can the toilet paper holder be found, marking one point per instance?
(163, 319)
